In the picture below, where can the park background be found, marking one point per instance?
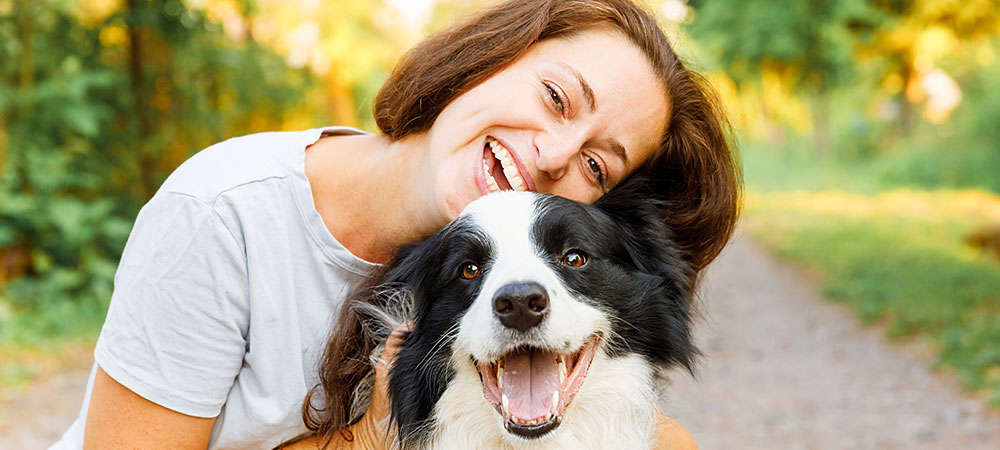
(869, 132)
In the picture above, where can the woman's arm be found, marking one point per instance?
(671, 436)
(120, 418)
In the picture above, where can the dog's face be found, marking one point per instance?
(526, 290)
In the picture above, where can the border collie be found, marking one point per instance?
(539, 323)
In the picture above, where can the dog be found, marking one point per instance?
(538, 323)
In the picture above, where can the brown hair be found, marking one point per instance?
(693, 167)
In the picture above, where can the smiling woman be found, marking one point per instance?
(224, 294)
(557, 120)
(689, 155)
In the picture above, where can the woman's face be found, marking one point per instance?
(572, 117)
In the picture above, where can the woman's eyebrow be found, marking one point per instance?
(588, 93)
(616, 146)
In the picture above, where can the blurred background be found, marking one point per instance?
(869, 132)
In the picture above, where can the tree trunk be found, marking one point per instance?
(140, 98)
(821, 124)
(25, 83)
(340, 101)
(905, 119)
(26, 26)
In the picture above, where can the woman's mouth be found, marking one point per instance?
(500, 169)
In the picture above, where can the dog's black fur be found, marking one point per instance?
(635, 274)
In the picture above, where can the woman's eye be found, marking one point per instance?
(556, 99)
(595, 167)
(574, 258)
(470, 271)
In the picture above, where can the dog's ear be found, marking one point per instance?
(666, 302)
(415, 381)
(371, 312)
(409, 264)
(637, 210)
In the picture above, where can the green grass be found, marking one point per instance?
(899, 258)
(922, 163)
(33, 342)
(795, 168)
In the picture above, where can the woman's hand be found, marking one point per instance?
(671, 436)
(373, 431)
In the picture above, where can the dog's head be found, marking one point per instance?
(526, 289)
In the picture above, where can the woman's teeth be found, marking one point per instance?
(509, 168)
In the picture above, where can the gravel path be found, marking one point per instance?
(36, 416)
(784, 370)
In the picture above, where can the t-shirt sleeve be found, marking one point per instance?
(176, 328)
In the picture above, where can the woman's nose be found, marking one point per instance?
(556, 152)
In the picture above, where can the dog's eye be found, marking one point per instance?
(574, 258)
(470, 271)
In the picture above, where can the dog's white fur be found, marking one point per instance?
(616, 406)
(507, 218)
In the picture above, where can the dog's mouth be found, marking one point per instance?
(531, 387)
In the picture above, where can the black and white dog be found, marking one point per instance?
(539, 323)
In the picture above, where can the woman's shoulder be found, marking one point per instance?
(245, 160)
(239, 161)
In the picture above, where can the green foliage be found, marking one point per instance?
(914, 274)
(961, 153)
(90, 126)
(811, 42)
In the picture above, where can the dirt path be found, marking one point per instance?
(36, 416)
(784, 370)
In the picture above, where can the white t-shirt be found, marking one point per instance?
(225, 292)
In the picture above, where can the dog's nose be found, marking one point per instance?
(521, 305)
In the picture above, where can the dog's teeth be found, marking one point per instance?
(555, 403)
(505, 402)
(548, 416)
(562, 369)
(500, 376)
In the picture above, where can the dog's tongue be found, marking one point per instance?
(529, 379)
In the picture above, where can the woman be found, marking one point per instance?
(224, 291)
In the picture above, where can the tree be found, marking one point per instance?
(808, 45)
(95, 110)
(905, 24)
